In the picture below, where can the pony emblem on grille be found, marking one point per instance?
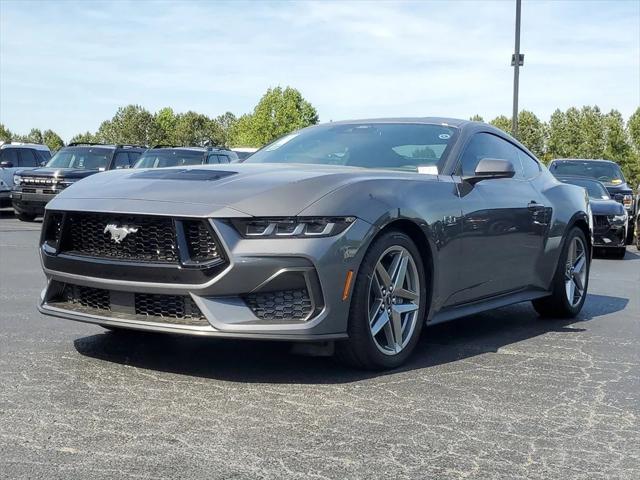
(119, 233)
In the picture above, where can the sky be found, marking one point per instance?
(69, 65)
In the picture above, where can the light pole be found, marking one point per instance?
(517, 60)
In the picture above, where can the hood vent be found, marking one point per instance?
(182, 174)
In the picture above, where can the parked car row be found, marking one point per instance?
(30, 177)
(614, 205)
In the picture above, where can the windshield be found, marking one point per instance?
(169, 158)
(594, 188)
(411, 147)
(603, 171)
(86, 158)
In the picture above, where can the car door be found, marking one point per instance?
(501, 238)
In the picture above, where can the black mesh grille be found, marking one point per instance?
(280, 305)
(169, 309)
(168, 306)
(150, 239)
(91, 298)
(202, 246)
(601, 222)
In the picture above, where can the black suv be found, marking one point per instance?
(34, 188)
(172, 156)
(609, 174)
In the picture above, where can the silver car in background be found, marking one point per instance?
(354, 234)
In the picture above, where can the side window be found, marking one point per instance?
(121, 160)
(530, 167)
(133, 158)
(27, 158)
(213, 159)
(10, 155)
(223, 159)
(486, 145)
(43, 156)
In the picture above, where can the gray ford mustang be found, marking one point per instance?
(353, 234)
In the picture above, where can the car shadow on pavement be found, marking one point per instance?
(272, 362)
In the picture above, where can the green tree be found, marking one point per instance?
(633, 128)
(165, 124)
(85, 137)
(592, 129)
(5, 134)
(132, 124)
(557, 144)
(476, 118)
(196, 129)
(52, 140)
(278, 112)
(502, 122)
(531, 132)
(227, 123)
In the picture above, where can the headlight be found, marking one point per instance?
(292, 226)
(618, 218)
(627, 201)
(17, 179)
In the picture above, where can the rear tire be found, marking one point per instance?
(388, 305)
(564, 301)
(25, 217)
(630, 234)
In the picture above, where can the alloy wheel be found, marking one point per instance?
(394, 300)
(576, 271)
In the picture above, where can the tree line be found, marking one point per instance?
(580, 133)
(584, 132)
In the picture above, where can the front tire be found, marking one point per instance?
(387, 305)
(571, 280)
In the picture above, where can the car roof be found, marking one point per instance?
(594, 160)
(578, 177)
(453, 122)
(35, 146)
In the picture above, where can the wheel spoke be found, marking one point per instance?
(380, 322)
(374, 311)
(577, 279)
(404, 293)
(579, 265)
(396, 322)
(571, 291)
(401, 273)
(384, 278)
(404, 308)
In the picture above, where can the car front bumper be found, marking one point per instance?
(5, 198)
(30, 203)
(270, 271)
(613, 236)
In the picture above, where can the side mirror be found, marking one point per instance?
(491, 168)
(6, 164)
(43, 163)
(618, 197)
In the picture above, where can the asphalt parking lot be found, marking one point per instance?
(498, 395)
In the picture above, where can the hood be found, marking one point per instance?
(620, 188)
(70, 173)
(606, 207)
(249, 189)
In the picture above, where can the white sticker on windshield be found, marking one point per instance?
(444, 136)
(428, 169)
(279, 143)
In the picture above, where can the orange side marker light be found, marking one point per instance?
(347, 285)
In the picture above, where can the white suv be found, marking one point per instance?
(16, 157)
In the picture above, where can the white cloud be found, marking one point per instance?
(349, 59)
